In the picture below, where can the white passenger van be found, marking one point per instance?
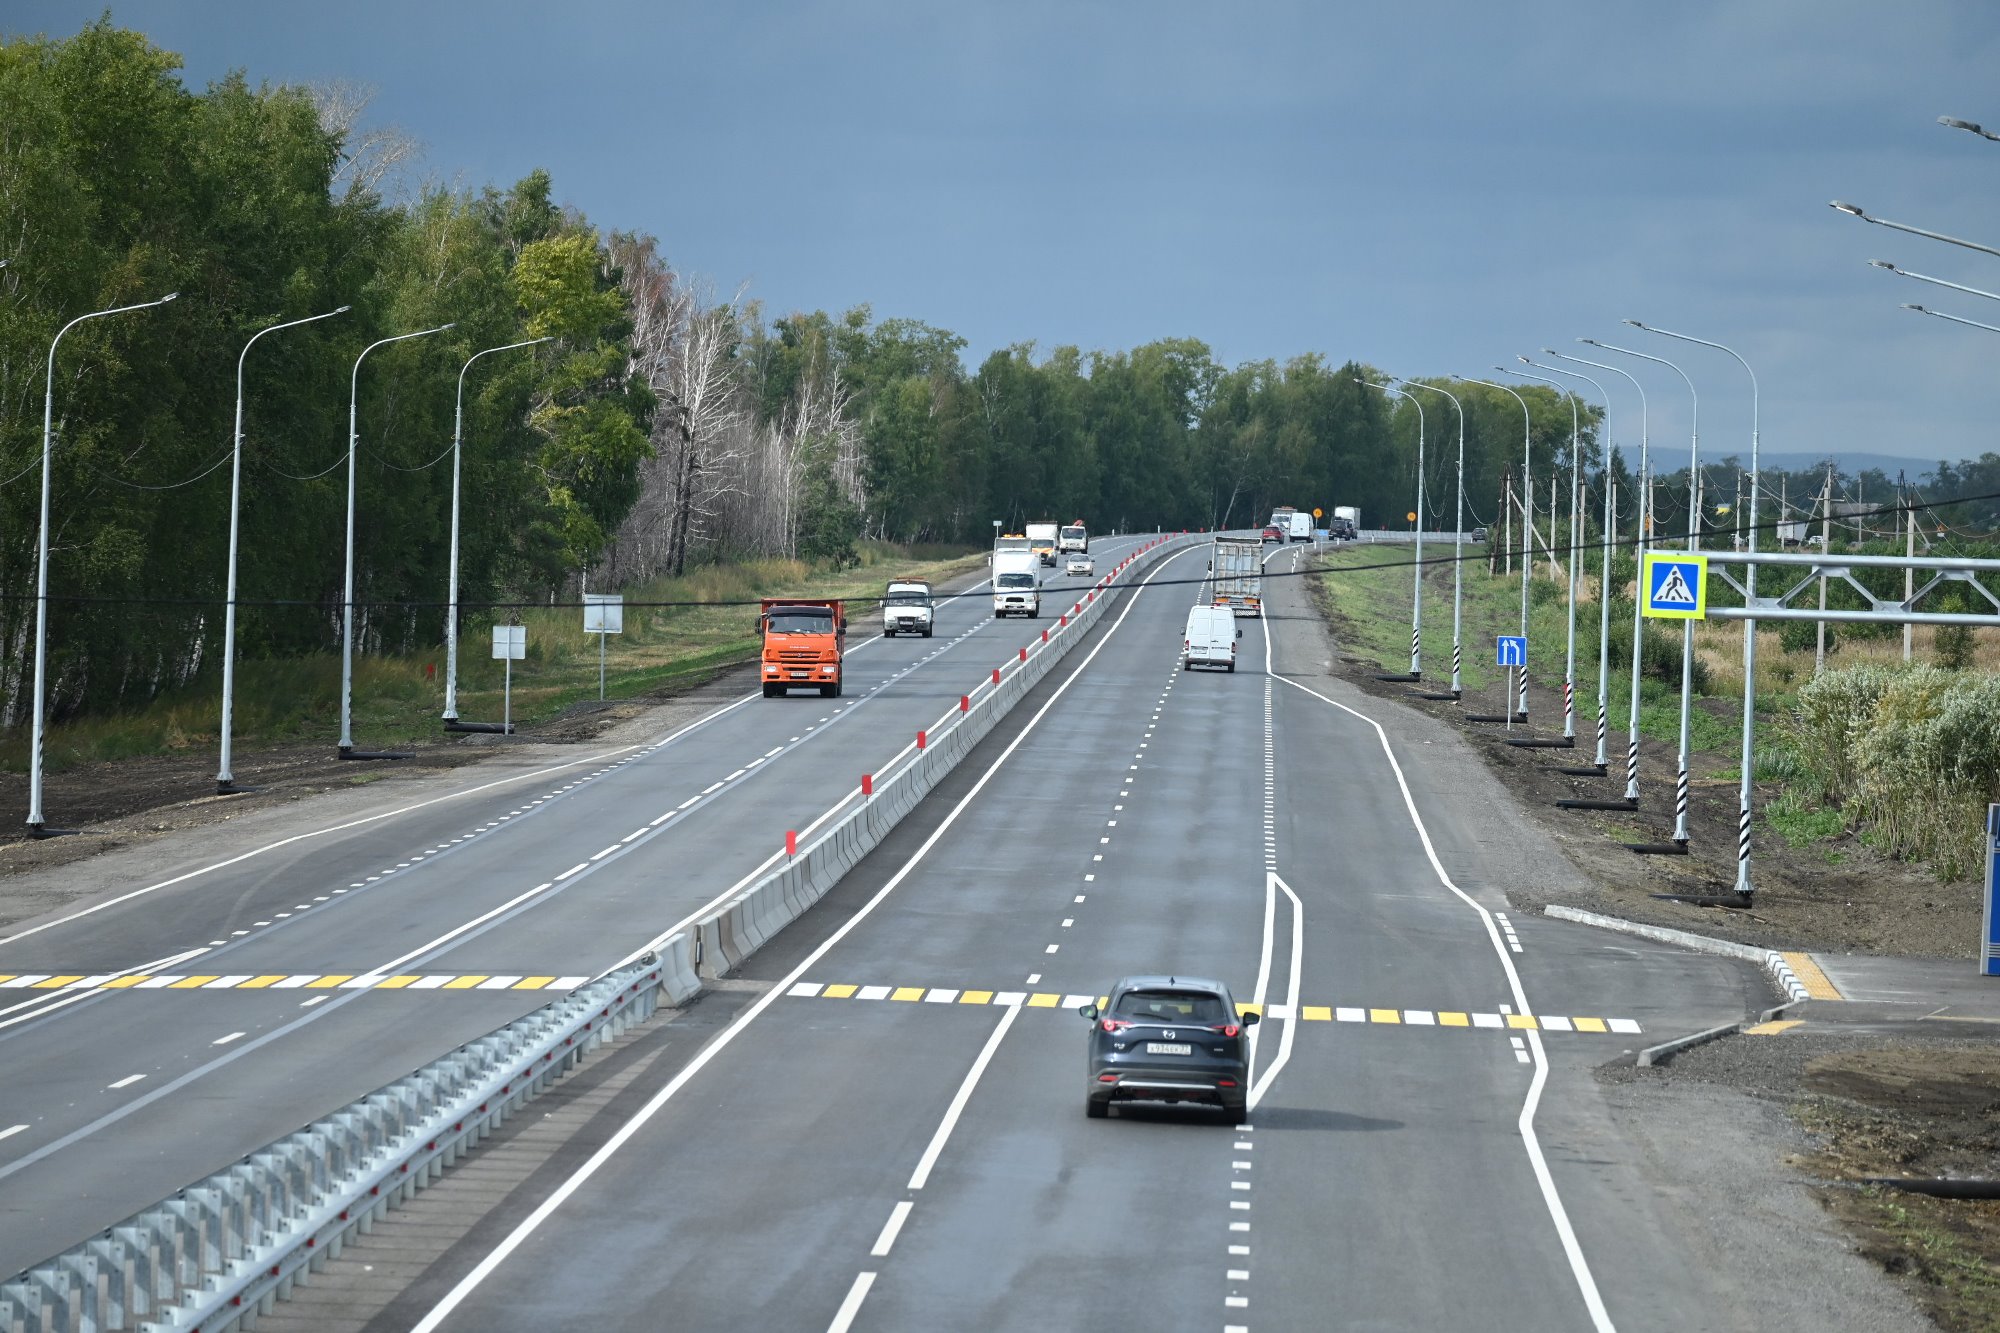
(1211, 638)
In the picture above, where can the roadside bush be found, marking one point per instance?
(1953, 651)
(1659, 650)
(1802, 636)
(1914, 753)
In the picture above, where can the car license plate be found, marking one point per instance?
(1168, 1048)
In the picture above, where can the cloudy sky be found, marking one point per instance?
(1431, 187)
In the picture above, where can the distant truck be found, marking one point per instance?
(1236, 574)
(1345, 522)
(1074, 538)
(1017, 584)
(803, 645)
(907, 608)
(1296, 526)
(1042, 541)
(1792, 531)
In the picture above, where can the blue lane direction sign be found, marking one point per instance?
(1513, 650)
(1676, 585)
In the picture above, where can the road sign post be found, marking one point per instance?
(1675, 584)
(1989, 937)
(603, 614)
(1511, 651)
(510, 645)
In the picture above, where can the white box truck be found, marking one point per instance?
(1074, 538)
(907, 608)
(1236, 574)
(1042, 540)
(1346, 523)
(1017, 584)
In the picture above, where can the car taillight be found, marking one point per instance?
(1114, 1025)
(1225, 1083)
(1227, 1029)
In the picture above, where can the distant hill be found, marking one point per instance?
(1850, 464)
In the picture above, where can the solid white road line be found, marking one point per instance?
(1265, 1079)
(922, 1174)
(561, 1194)
(127, 1081)
(11, 1131)
(1579, 1266)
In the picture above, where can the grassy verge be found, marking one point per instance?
(398, 699)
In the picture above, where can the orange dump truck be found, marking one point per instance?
(803, 641)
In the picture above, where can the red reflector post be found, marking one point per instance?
(1024, 654)
(921, 740)
(867, 784)
(791, 842)
(996, 675)
(964, 703)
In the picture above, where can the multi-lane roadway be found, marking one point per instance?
(216, 995)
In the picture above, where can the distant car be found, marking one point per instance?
(1168, 1039)
(1079, 564)
(1340, 529)
(1273, 534)
(1477, 536)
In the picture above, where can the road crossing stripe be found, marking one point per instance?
(1772, 1028)
(57, 983)
(192, 983)
(340, 981)
(259, 983)
(1311, 1013)
(1818, 985)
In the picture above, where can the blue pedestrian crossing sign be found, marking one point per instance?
(1676, 585)
(1513, 650)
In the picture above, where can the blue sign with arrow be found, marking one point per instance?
(1513, 650)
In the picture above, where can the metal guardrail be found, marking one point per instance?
(227, 1247)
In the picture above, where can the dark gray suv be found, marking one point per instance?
(1169, 1039)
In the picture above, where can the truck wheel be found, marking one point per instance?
(929, 630)
(826, 691)
(888, 634)
(840, 687)
(1035, 614)
(773, 691)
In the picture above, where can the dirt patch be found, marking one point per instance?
(1838, 897)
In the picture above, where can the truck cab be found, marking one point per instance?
(804, 641)
(1042, 540)
(1073, 539)
(907, 608)
(1017, 584)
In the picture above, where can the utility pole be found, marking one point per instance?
(1860, 503)
(1507, 542)
(1825, 553)
(1909, 549)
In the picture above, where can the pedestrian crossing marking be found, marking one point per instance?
(191, 983)
(1310, 1013)
(329, 982)
(57, 983)
(1676, 586)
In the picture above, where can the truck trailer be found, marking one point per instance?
(1236, 575)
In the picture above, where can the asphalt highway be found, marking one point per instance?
(214, 1003)
(892, 1135)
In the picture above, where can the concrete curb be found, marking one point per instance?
(1770, 960)
(1666, 1050)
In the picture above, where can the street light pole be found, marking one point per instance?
(1575, 504)
(1952, 122)
(1645, 515)
(1956, 319)
(1853, 211)
(1417, 593)
(1527, 530)
(347, 587)
(1457, 545)
(225, 782)
(37, 826)
(1744, 790)
(451, 593)
(1935, 282)
(1687, 626)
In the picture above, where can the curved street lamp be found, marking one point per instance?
(1687, 626)
(1952, 122)
(1457, 544)
(347, 593)
(451, 595)
(37, 826)
(1417, 596)
(1936, 282)
(225, 782)
(1575, 507)
(1855, 211)
(1956, 319)
(1749, 626)
(1527, 530)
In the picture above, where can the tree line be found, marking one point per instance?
(660, 427)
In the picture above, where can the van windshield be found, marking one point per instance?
(1072, 532)
(908, 599)
(1011, 544)
(801, 620)
(1015, 581)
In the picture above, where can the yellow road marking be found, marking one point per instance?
(976, 997)
(124, 983)
(6, 977)
(1242, 1009)
(1448, 1019)
(193, 983)
(1772, 1028)
(396, 982)
(1385, 1015)
(532, 983)
(1522, 1021)
(1043, 1000)
(459, 983)
(907, 993)
(259, 983)
(1589, 1024)
(330, 981)
(1317, 1013)
(57, 983)
(1810, 976)
(839, 992)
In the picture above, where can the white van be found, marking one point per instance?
(1017, 584)
(1211, 638)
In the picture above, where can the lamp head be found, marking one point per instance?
(1919, 309)
(1953, 122)
(1633, 322)
(1522, 359)
(1591, 342)
(1847, 208)
(170, 296)
(1883, 263)
(1547, 351)
(343, 310)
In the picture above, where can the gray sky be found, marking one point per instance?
(1432, 187)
